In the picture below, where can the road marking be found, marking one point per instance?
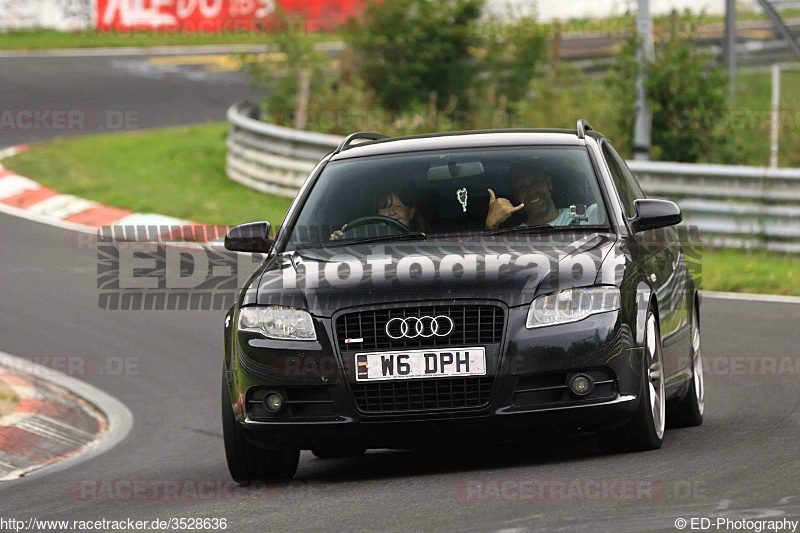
(216, 63)
(773, 298)
(326, 46)
(223, 63)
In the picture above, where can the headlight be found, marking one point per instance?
(278, 322)
(571, 305)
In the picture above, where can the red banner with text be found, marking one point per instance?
(217, 16)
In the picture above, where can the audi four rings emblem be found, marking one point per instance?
(412, 327)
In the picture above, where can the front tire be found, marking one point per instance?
(645, 431)
(247, 462)
(689, 410)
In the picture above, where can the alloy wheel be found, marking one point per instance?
(655, 371)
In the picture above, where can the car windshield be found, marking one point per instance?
(465, 192)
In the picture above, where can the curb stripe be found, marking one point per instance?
(77, 419)
(151, 219)
(15, 441)
(26, 199)
(99, 215)
(61, 388)
(71, 212)
(14, 380)
(13, 184)
(47, 425)
(62, 206)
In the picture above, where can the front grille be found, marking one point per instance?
(425, 394)
(473, 324)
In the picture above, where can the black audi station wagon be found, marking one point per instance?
(481, 285)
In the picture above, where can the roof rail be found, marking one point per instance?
(583, 127)
(345, 144)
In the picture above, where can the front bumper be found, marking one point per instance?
(523, 399)
(436, 431)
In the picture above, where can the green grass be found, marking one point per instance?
(46, 39)
(754, 272)
(750, 120)
(176, 171)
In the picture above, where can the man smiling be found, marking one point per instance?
(534, 189)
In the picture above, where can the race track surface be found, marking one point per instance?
(743, 462)
(111, 93)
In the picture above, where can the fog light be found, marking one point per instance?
(273, 402)
(581, 384)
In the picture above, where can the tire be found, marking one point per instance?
(246, 462)
(333, 452)
(688, 412)
(645, 431)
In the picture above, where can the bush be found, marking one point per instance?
(688, 93)
(406, 49)
(512, 57)
(279, 80)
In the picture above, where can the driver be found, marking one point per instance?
(535, 190)
(397, 204)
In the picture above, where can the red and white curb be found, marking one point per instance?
(49, 424)
(60, 421)
(21, 196)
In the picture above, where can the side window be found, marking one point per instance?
(626, 193)
(631, 177)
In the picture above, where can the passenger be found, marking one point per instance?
(397, 204)
(534, 190)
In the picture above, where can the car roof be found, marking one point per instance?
(462, 139)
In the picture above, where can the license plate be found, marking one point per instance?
(421, 364)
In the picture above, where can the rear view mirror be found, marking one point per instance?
(453, 170)
(652, 214)
(252, 237)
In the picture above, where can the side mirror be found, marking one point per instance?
(252, 237)
(652, 214)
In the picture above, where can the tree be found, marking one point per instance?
(513, 55)
(688, 92)
(282, 81)
(405, 49)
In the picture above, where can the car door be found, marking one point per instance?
(655, 246)
(671, 278)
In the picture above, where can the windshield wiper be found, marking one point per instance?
(520, 229)
(538, 228)
(418, 236)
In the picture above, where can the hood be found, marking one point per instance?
(512, 271)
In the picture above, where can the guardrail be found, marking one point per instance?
(270, 158)
(734, 206)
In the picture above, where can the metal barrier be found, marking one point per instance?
(270, 158)
(735, 206)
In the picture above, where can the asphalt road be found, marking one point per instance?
(743, 462)
(110, 93)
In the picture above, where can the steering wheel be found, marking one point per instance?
(377, 219)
